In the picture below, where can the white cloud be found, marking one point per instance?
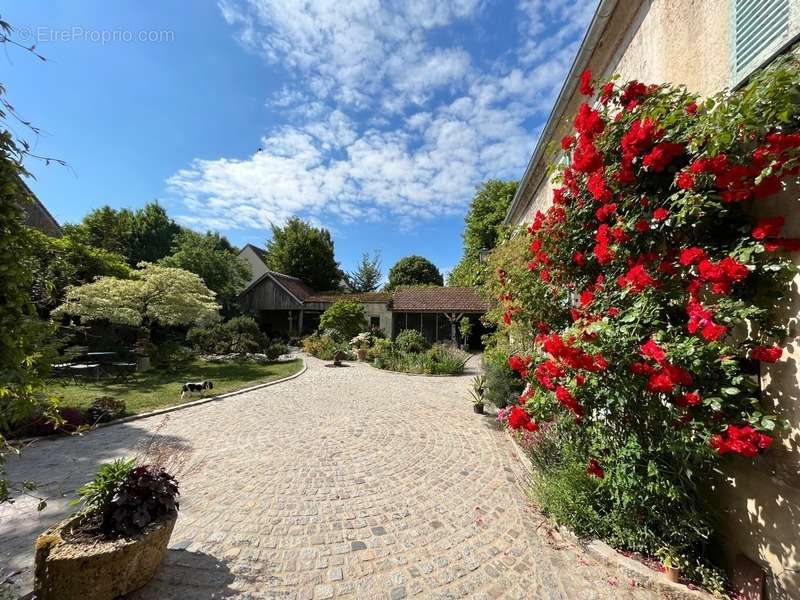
(387, 123)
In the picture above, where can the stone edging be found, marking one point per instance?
(168, 409)
(627, 568)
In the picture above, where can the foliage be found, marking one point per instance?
(129, 497)
(437, 360)
(367, 276)
(56, 263)
(321, 346)
(105, 408)
(212, 257)
(24, 356)
(345, 317)
(365, 339)
(483, 230)
(465, 328)
(503, 386)
(631, 305)
(478, 389)
(306, 252)
(411, 340)
(153, 295)
(413, 270)
(380, 347)
(146, 234)
(239, 335)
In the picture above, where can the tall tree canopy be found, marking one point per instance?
(56, 263)
(414, 270)
(142, 235)
(212, 257)
(154, 295)
(367, 276)
(483, 229)
(301, 250)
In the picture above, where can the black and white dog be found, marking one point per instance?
(196, 387)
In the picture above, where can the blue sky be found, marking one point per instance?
(374, 119)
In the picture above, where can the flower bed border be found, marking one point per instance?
(627, 568)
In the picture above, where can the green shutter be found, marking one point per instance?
(760, 30)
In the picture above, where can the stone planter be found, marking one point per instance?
(361, 354)
(97, 570)
(477, 407)
(672, 574)
(142, 363)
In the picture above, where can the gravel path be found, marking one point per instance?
(349, 482)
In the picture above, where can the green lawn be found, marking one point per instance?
(158, 389)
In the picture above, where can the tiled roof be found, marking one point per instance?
(365, 297)
(297, 287)
(438, 299)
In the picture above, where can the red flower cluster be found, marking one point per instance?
(520, 364)
(637, 279)
(664, 377)
(662, 155)
(767, 228)
(518, 418)
(594, 469)
(769, 354)
(564, 396)
(585, 88)
(743, 440)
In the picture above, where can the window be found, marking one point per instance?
(374, 322)
(760, 30)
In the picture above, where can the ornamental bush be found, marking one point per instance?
(634, 306)
(411, 340)
(345, 317)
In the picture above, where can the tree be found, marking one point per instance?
(144, 235)
(483, 229)
(367, 275)
(153, 295)
(56, 263)
(153, 234)
(306, 252)
(212, 257)
(414, 270)
(23, 336)
(105, 228)
(345, 317)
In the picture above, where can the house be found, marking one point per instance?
(287, 306)
(707, 45)
(37, 216)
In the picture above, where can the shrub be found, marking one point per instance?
(439, 360)
(239, 335)
(321, 346)
(346, 317)
(172, 355)
(380, 347)
(411, 340)
(126, 498)
(276, 349)
(105, 408)
(503, 385)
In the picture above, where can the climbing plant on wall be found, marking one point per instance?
(640, 299)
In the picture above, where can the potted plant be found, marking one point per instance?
(361, 343)
(477, 391)
(143, 349)
(671, 561)
(116, 542)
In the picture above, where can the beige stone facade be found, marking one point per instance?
(688, 42)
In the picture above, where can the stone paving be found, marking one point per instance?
(349, 482)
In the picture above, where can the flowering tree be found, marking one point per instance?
(665, 287)
(153, 295)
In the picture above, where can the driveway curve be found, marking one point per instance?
(343, 482)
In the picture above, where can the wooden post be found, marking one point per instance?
(300, 323)
(290, 322)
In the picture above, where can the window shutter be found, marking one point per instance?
(761, 29)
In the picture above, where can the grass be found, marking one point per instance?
(157, 388)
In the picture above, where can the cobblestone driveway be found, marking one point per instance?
(348, 481)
